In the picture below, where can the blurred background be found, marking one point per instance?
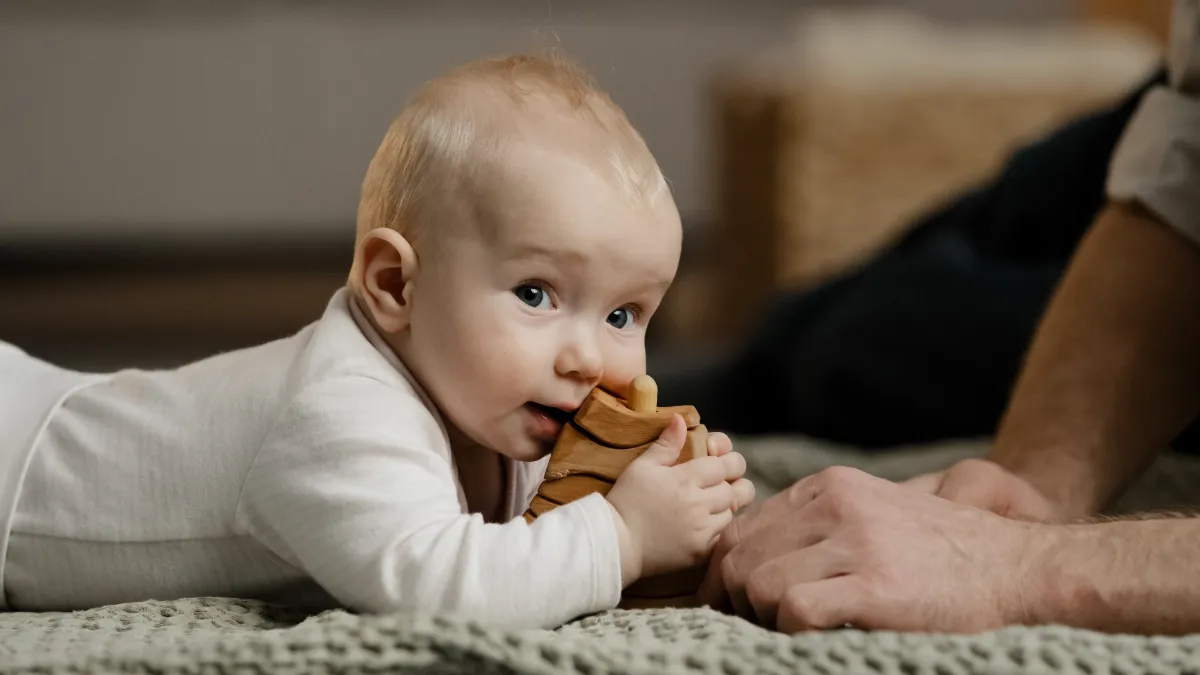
(179, 178)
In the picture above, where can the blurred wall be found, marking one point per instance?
(190, 114)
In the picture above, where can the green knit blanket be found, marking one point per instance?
(220, 635)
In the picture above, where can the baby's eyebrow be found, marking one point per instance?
(569, 256)
(653, 285)
(662, 283)
(535, 250)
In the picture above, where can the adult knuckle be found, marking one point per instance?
(731, 536)
(838, 480)
(799, 607)
(976, 467)
(840, 499)
(880, 585)
(731, 571)
(724, 545)
(729, 568)
(870, 536)
(838, 475)
(759, 588)
(974, 463)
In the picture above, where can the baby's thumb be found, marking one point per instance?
(665, 450)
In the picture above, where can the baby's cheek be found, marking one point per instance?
(512, 358)
(621, 367)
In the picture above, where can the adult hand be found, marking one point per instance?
(843, 547)
(988, 486)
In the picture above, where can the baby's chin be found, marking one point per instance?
(509, 440)
(527, 449)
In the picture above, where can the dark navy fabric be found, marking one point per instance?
(924, 342)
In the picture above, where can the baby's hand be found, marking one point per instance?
(669, 517)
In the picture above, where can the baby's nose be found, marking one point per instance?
(580, 358)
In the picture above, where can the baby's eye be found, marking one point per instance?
(621, 318)
(533, 295)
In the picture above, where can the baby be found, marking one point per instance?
(515, 236)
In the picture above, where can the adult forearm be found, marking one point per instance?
(1113, 373)
(1136, 576)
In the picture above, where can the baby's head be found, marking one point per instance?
(515, 235)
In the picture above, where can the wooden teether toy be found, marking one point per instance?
(606, 434)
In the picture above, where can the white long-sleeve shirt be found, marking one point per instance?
(1157, 161)
(310, 470)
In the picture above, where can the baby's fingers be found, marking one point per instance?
(719, 497)
(735, 465)
(717, 524)
(705, 471)
(743, 493)
(726, 496)
(708, 471)
(719, 444)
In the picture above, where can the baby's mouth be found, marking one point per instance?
(547, 421)
(557, 414)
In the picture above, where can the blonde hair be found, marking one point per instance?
(450, 131)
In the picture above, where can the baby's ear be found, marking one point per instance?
(388, 266)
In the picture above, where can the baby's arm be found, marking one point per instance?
(351, 489)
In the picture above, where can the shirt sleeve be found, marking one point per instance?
(1157, 161)
(356, 487)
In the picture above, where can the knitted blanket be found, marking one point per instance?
(220, 635)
